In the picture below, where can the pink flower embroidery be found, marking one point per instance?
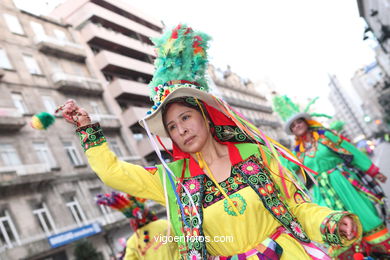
(194, 255)
(192, 186)
(297, 229)
(250, 168)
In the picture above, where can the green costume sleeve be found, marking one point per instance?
(360, 160)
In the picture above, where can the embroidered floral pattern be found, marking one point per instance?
(206, 194)
(238, 201)
(297, 229)
(250, 168)
(231, 185)
(232, 133)
(330, 228)
(196, 248)
(193, 186)
(265, 187)
(299, 197)
(90, 136)
(194, 255)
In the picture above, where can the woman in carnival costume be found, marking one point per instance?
(226, 182)
(146, 242)
(345, 177)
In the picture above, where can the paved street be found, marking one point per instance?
(382, 160)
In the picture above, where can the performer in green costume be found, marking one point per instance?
(346, 177)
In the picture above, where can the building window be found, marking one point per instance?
(4, 61)
(18, 100)
(60, 35)
(76, 210)
(55, 65)
(78, 69)
(38, 29)
(95, 108)
(13, 24)
(31, 64)
(44, 154)
(73, 154)
(44, 218)
(49, 104)
(116, 148)
(9, 155)
(8, 233)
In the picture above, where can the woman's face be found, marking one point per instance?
(186, 127)
(299, 127)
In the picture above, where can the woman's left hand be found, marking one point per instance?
(381, 177)
(348, 227)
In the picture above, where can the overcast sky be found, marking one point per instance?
(295, 44)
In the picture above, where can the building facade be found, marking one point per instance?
(376, 13)
(243, 96)
(346, 111)
(117, 38)
(46, 187)
(367, 84)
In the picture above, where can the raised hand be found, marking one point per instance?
(381, 177)
(74, 114)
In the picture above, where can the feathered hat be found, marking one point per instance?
(289, 112)
(132, 207)
(180, 71)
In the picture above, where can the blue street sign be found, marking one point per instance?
(73, 235)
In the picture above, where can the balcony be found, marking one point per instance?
(145, 148)
(90, 10)
(133, 114)
(261, 122)
(24, 174)
(96, 35)
(129, 90)
(113, 63)
(67, 83)
(11, 119)
(249, 105)
(107, 122)
(26, 169)
(56, 47)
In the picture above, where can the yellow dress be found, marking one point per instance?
(138, 249)
(247, 230)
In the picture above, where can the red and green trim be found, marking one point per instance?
(90, 136)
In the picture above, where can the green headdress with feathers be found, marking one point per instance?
(181, 62)
(289, 111)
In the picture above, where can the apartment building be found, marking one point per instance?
(118, 38)
(347, 111)
(244, 97)
(46, 188)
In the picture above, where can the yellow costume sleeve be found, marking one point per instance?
(124, 176)
(320, 223)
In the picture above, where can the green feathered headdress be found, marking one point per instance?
(289, 111)
(181, 62)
